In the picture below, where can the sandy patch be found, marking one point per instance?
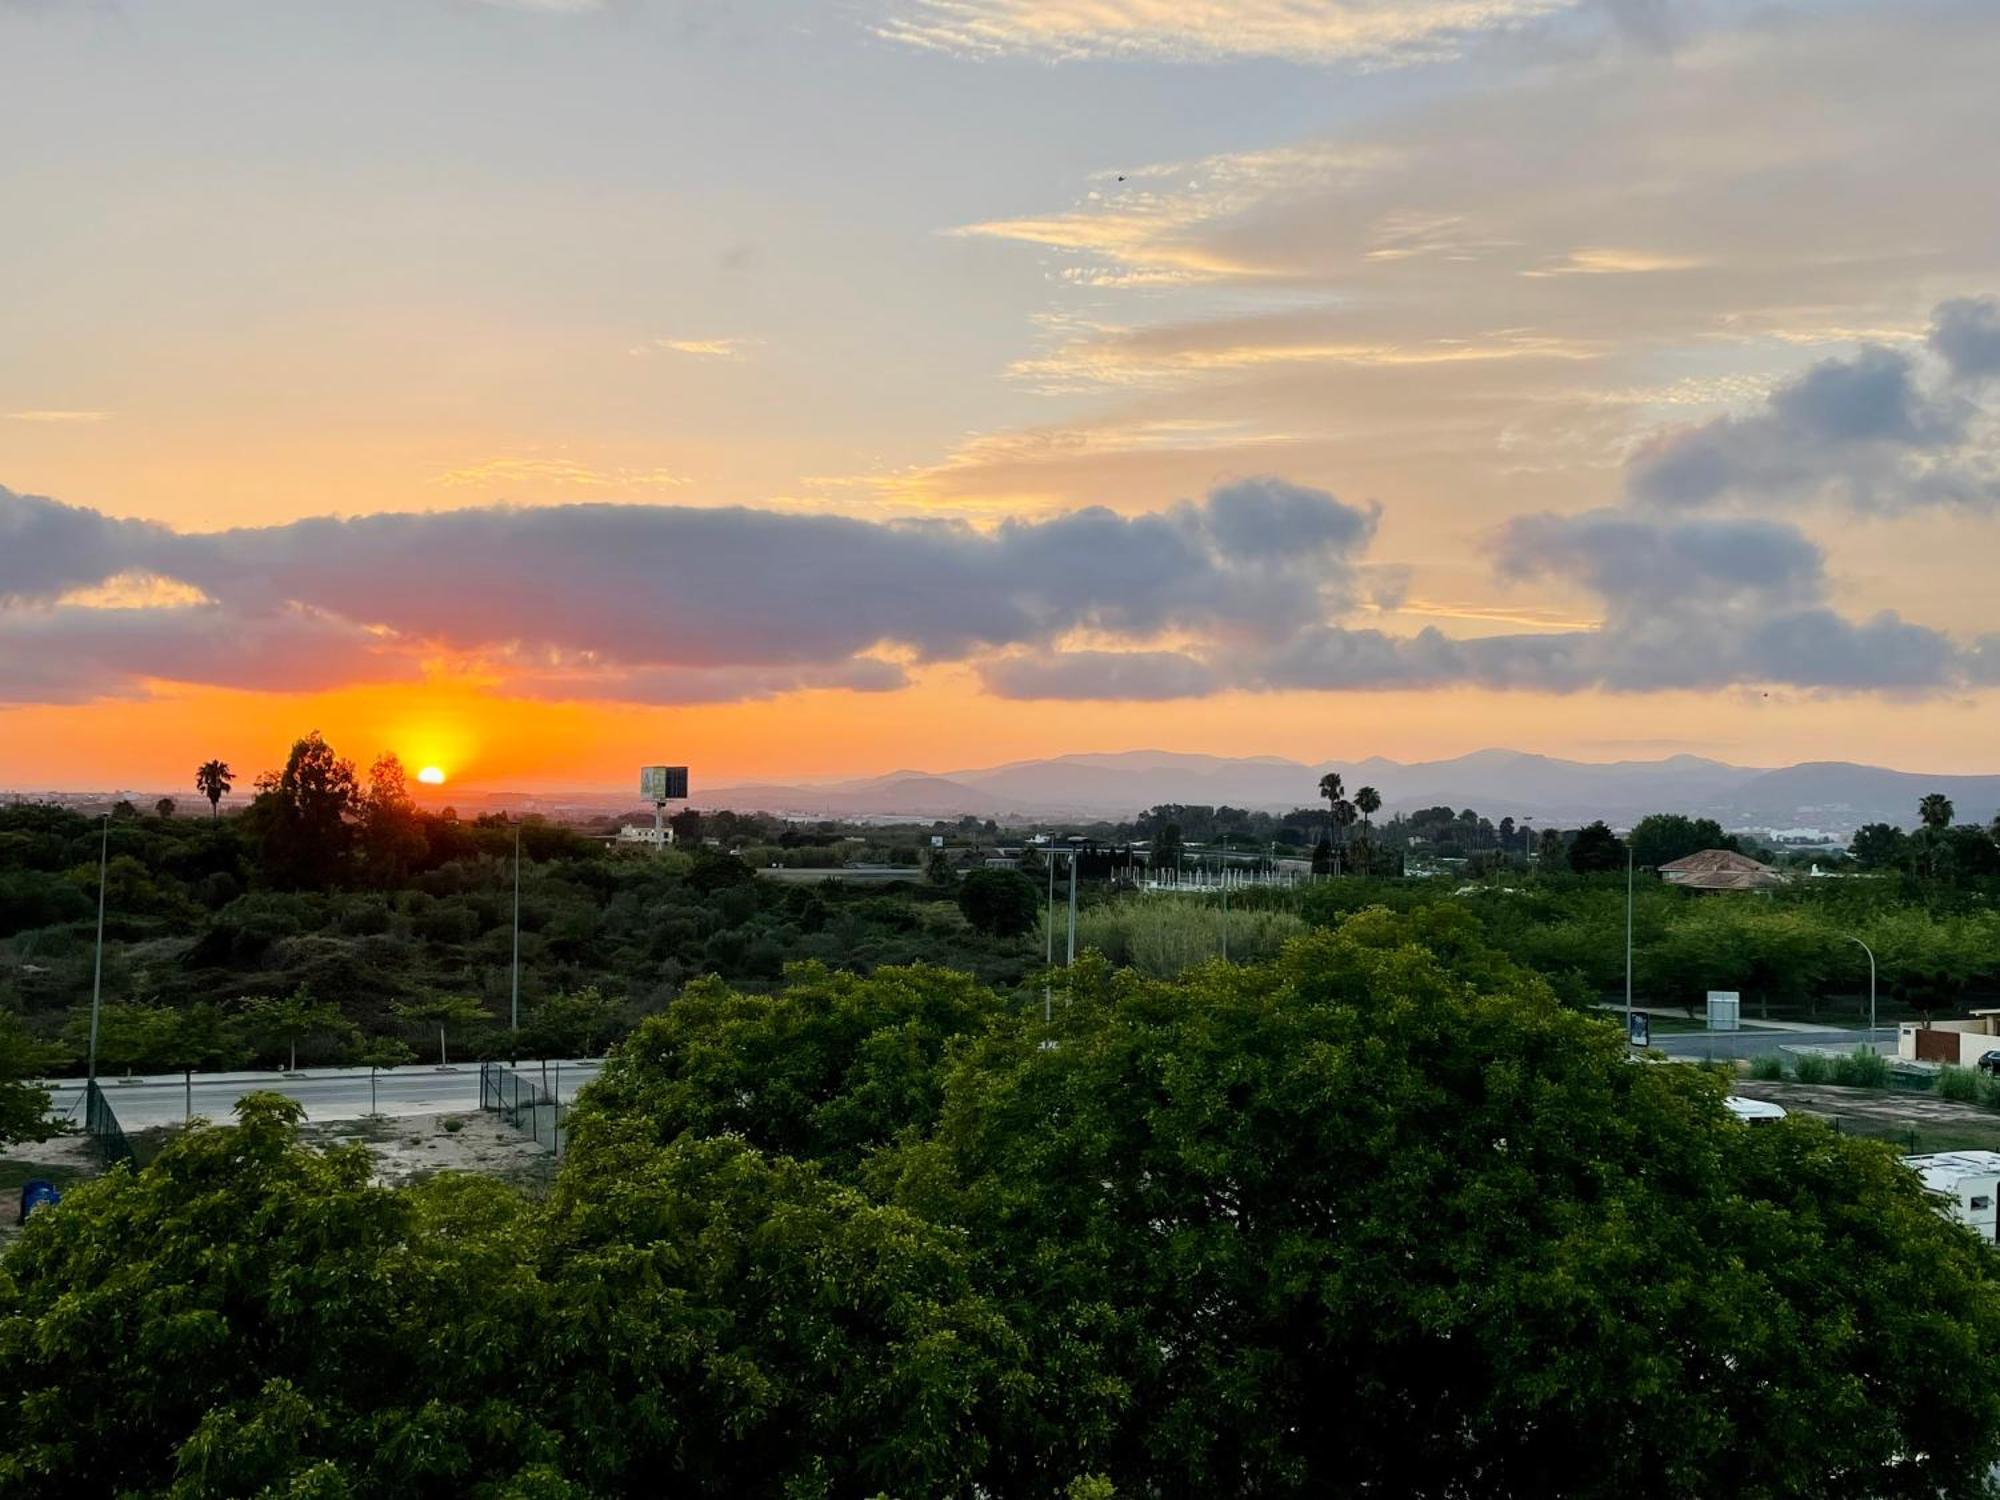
(409, 1148)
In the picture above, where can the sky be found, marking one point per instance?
(544, 388)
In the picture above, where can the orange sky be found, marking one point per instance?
(1688, 414)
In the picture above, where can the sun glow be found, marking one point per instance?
(431, 776)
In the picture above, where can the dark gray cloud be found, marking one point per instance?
(1880, 430)
(1108, 676)
(665, 602)
(683, 605)
(1965, 334)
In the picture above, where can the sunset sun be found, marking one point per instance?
(431, 776)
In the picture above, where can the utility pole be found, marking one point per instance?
(515, 1014)
(1071, 959)
(97, 978)
(1628, 940)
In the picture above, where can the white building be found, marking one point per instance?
(1967, 1182)
(639, 833)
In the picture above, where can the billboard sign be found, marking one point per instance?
(1639, 1029)
(663, 783)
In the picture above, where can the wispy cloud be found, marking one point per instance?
(732, 348)
(1366, 32)
(1604, 260)
(58, 418)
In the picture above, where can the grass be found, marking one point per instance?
(1862, 1069)
(1770, 1067)
(1810, 1067)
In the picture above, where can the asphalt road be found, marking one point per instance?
(1762, 1043)
(326, 1093)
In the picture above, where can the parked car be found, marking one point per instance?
(1989, 1062)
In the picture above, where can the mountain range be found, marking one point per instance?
(1834, 796)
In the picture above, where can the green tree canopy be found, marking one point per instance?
(1000, 903)
(1661, 838)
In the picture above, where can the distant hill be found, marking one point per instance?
(1834, 796)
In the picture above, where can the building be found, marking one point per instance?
(1959, 1042)
(1721, 870)
(1966, 1182)
(639, 833)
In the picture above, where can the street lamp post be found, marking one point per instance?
(1871, 981)
(97, 977)
(1070, 959)
(1628, 941)
(514, 1017)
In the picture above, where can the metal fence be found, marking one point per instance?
(100, 1122)
(526, 1104)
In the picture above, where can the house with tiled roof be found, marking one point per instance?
(1721, 870)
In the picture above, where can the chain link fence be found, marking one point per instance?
(100, 1122)
(523, 1102)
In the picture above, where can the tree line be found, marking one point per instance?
(1378, 1216)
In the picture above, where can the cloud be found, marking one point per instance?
(1253, 587)
(1876, 430)
(1308, 31)
(619, 599)
(699, 348)
(60, 418)
(1965, 333)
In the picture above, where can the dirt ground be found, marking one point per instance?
(65, 1161)
(1916, 1122)
(409, 1148)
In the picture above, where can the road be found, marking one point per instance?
(1762, 1043)
(326, 1093)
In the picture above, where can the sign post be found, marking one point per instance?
(661, 785)
(1639, 1029)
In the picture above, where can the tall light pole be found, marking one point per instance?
(97, 978)
(515, 1013)
(1628, 941)
(1871, 981)
(1049, 937)
(1071, 959)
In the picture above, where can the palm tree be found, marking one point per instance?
(1936, 811)
(1343, 819)
(212, 779)
(1331, 787)
(1369, 802)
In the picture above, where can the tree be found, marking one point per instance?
(1166, 852)
(128, 1035)
(287, 1020)
(1369, 802)
(303, 814)
(382, 1052)
(1879, 846)
(1936, 812)
(447, 1013)
(571, 1023)
(938, 868)
(1383, 1209)
(392, 836)
(1333, 789)
(999, 903)
(24, 1107)
(246, 1308)
(687, 826)
(1662, 838)
(1343, 820)
(164, 808)
(213, 779)
(1322, 860)
(1551, 850)
(1596, 850)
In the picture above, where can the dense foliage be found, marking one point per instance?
(1379, 1216)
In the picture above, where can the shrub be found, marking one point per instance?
(1862, 1069)
(1810, 1067)
(1770, 1067)
(1961, 1084)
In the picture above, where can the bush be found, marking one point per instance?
(1770, 1067)
(1810, 1067)
(1960, 1084)
(1862, 1069)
